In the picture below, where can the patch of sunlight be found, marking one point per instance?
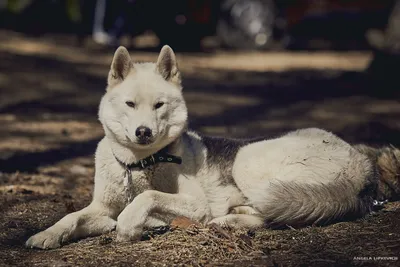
(215, 130)
(190, 62)
(383, 107)
(278, 61)
(7, 117)
(217, 103)
(14, 144)
(54, 127)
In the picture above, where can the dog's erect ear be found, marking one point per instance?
(120, 66)
(167, 65)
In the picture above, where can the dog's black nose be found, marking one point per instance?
(142, 132)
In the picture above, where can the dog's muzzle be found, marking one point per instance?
(144, 135)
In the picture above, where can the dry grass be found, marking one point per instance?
(28, 211)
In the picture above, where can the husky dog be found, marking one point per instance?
(150, 168)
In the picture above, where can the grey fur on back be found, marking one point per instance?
(221, 153)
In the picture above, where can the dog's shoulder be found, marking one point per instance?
(103, 151)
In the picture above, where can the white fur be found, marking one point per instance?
(309, 156)
(194, 189)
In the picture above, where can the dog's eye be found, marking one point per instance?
(130, 104)
(158, 105)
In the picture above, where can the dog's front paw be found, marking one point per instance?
(128, 229)
(128, 234)
(220, 221)
(45, 240)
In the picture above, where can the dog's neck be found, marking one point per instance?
(128, 155)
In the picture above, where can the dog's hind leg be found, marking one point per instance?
(243, 210)
(90, 221)
(239, 221)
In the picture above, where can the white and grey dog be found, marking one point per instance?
(150, 168)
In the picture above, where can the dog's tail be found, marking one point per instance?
(348, 196)
(387, 160)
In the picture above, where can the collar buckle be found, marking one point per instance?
(145, 163)
(151, 160)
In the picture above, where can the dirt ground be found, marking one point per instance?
(49, 94)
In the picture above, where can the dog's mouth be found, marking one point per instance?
(141, 141)
(144, 141)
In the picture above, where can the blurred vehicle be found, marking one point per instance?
(238, 24)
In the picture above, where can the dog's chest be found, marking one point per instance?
(134, 183)
(159, 177)
(164, 178)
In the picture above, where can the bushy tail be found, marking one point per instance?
(387, 161)
(303, 205)
(299, 204)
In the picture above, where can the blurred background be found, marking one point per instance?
(250, 68)
(236, 24)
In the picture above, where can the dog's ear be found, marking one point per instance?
(120, 66)
(167, 65)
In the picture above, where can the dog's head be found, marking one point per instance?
(143, 107)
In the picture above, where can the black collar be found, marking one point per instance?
(151, 160)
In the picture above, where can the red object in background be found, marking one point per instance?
(295, 12)
(200, 11)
